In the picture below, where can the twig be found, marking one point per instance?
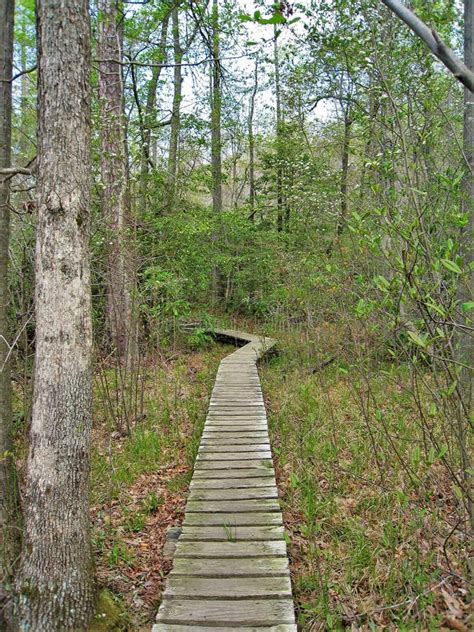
(434, 43)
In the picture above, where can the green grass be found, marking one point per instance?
(133, 475)
(175, 403)
(366, 536)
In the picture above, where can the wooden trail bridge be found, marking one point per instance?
(230, 568)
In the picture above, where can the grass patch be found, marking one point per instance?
(140, 479)
(361, 495)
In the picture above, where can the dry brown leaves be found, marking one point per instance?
(139, 579)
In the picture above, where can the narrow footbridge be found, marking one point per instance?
(230, 568)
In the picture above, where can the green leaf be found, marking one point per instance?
(467, 306)
(450, 265)
(419, 340)
(443, 450)
(277, 18)
(382, 283)
(451, 388)
(433, 410)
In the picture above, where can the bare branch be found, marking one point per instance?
(19, 74)
(434, 43)
(165, 65)
(13, 171)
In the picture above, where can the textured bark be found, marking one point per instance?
(9, 510)
(115, 183)
(279, 140)
(216, 137)
(216, 110)
(176, 110)
(251, 138)
(465, 341)
(55, 587)
(149, 119)
(460, 70)
(344, 171)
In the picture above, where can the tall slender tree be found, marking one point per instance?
(466, 289)
(216, 132)
(55, 585)
(115, 180)
(251, 141)
(8, 490)
(216, 111)
(149, 117)
(177, 96)
(279, 130)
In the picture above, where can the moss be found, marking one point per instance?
(111, 614)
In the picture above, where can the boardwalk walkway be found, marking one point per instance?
(230, 569)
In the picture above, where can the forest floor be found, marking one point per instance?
(369, 529)
(140, 478)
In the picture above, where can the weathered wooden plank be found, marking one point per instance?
(232, 483)
(228, 587)
(250, 472)
(230, 446)
(238, 398)
(231, 567)
(233, 519)
(237, 464)
(232, 506)
(257, 421)
(225, 611)
(211, 431)
(234, 439)
(230, 407)
(232, 456)
(231, 548)
(233, 493)
(233, 413)
(224, 532)
(167, 627)
(236, 425)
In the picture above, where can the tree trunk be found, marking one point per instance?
(465, 342)
(252, 144)
(9, 508)
(149, 119)
(279, 140)
(216, 139)
(55, 585)
(115, 184)
(344, 172)
(176, 109)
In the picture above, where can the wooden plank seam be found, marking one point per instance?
(230, 567)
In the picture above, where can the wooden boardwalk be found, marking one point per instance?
(230, 569)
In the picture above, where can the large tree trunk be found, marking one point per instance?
(9, 511)
(115, 184)
(55, 585)
(176, 110)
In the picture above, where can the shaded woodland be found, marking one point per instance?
(299, 170)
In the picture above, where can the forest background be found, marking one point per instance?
(302, 170)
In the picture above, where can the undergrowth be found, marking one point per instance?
(368, 506)
(139, 479)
